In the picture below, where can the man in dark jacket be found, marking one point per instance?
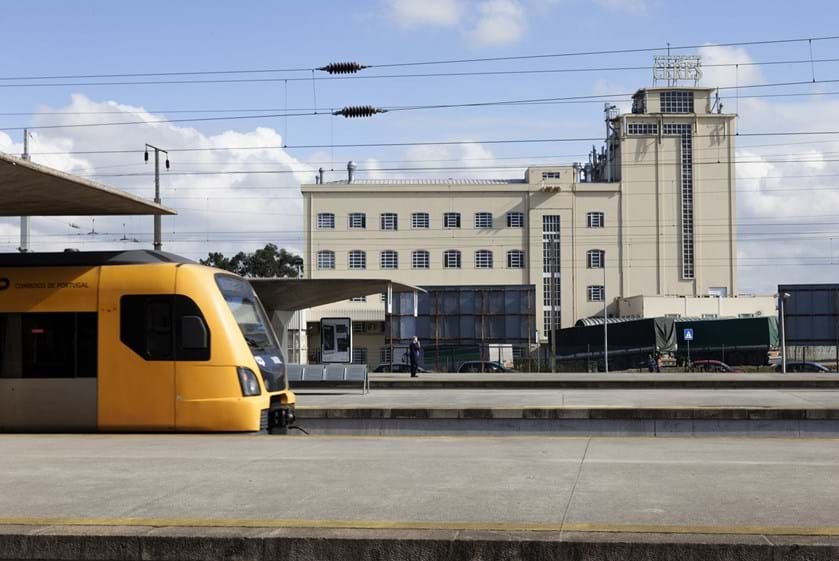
(414, 355)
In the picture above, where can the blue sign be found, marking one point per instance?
(688, 334)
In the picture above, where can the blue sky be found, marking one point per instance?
(97, 37)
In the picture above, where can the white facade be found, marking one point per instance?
(656, 207)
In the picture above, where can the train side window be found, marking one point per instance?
(48, 345)
(164, 327)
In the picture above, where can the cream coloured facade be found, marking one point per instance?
(656, 206)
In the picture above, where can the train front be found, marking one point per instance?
(267, 372)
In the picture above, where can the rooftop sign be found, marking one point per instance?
(673, 68)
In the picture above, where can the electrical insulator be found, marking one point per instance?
(342, 67)
(167, 163)
(354, 111)
(147, 155)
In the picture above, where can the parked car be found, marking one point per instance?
(803, 367)
(483, 366)
(711, 366)
(399, 367)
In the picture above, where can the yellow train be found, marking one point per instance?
(135, 341)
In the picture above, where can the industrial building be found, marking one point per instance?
(647, 225)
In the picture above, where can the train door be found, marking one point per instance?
(137, 347)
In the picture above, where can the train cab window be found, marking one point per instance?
(48, 345)
(164, 327)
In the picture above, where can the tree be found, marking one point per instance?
(268, 262)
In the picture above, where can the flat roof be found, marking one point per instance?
(298, 294)
(29, 189)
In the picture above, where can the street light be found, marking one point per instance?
(782, 298)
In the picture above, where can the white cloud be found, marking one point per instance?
(218, 210)
(410, 13)
(721, 76)
(498, 22)
(484, 23)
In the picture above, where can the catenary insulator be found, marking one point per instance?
(354, 111)
(342, 67)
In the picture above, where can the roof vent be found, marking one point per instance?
(350, 169)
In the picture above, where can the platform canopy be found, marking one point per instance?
(299, 294)
(29, 189)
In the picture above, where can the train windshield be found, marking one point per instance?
(248, 312)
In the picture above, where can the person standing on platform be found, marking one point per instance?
(414, 355)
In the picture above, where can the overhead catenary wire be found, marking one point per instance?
(383, 109)
(568, 54)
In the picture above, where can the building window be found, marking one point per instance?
(357, 221)
(710, 316)
(642, 129)
(326, 221)
(389, 221)
(676, 101)
(326, 259)
(451, 259)
(357, 259)
(389, 259)
(357, 326)
(515, 259)
(515, 220)
(383, 297)
(483, 220)
(451, 220)
(594, 220)
(547, 317)
(596, 293)
(419, 259)
(419, 220)
(384, 355)
(595, 258)
(359, 356)
(483, 259)
(550, 175)
(358, 299)
(745, 315)
(684, 130)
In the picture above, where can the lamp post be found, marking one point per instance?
(782, 297)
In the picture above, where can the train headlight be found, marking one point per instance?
(248, 381)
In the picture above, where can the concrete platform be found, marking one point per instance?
(619, 380)
(713, 412)
(107, 497)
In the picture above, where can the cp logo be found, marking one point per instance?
(4, 283)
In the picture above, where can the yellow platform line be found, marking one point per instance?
(417, 525)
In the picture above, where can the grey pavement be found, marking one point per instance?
(507, 398)
(732, 485)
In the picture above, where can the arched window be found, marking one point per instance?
(595, 259)
(389, 259)
(451, 259)
(515, 259)
(357, 259)
(483, 220)
(420, 259)
(326, 259)
(483, 259)
(326, 221)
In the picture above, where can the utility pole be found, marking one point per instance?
(605, 319)
(158, 243)
(24, 220)
(783, 297)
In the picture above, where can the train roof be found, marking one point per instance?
(90, 258)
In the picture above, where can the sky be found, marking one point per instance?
(788, 202)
